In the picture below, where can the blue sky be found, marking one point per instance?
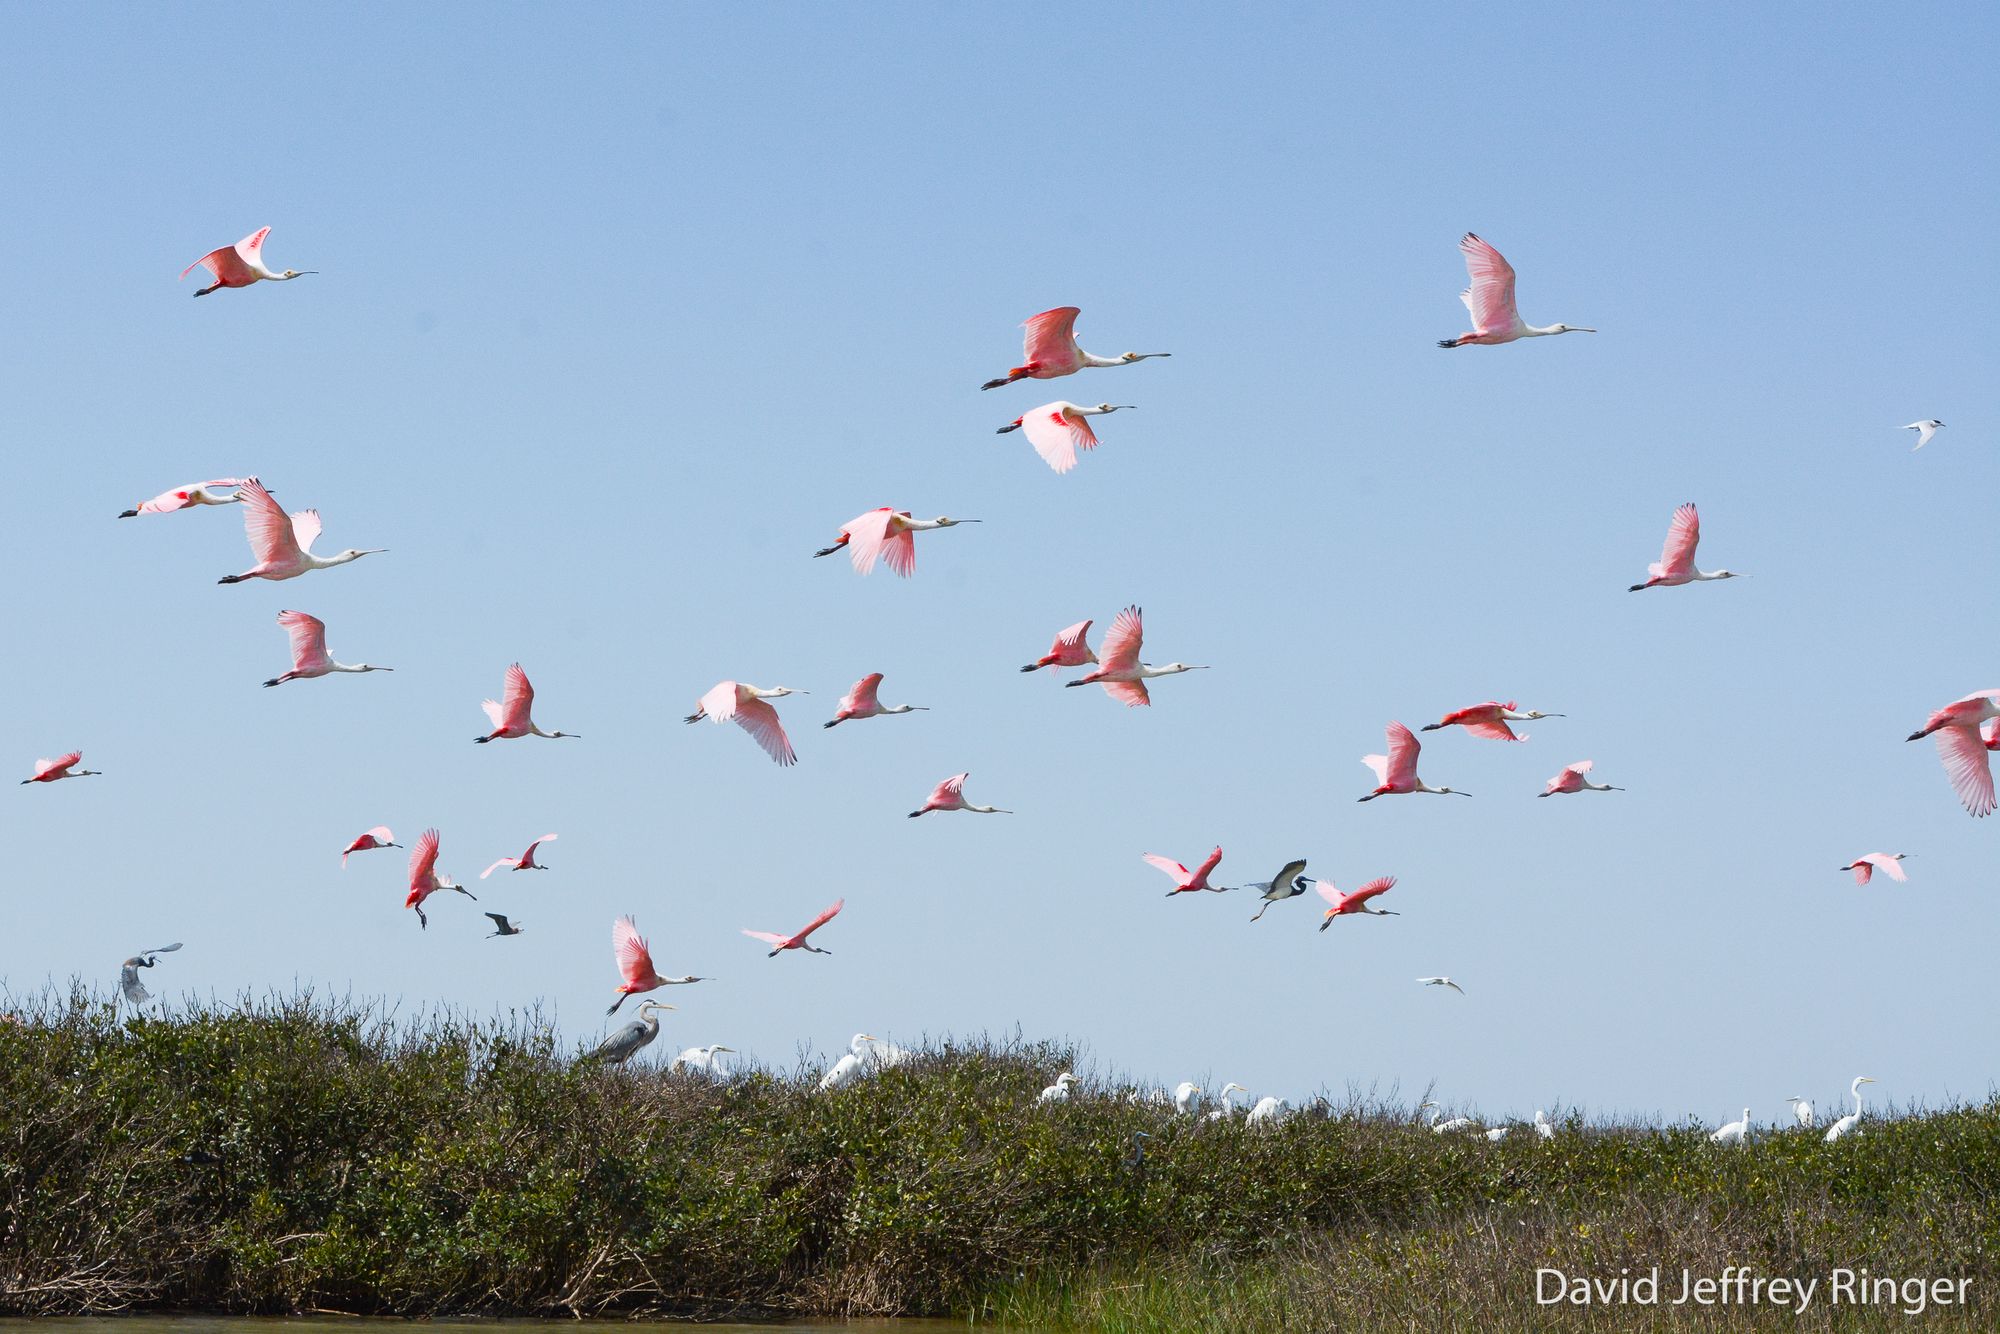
(622, 312)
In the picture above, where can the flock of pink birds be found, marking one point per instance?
(1966, 730)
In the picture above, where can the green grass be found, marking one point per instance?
(304, 1154)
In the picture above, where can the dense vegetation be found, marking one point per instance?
(306, 1155)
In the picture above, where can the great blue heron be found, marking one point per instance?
(1137, 1161)
(701, 1060)
(128, 976)
(1286, 884)
(634, 1037)
(501, 926)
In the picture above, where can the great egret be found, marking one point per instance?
(851, 1066)
(1853, 1118)
(1228, 1108)
(1058, 1091)
(1543, 1128)
(1268, 1111)
(1802, 1110)
(1187, 1097)
(701, 1060)
(634, 1037)
(1736, 1132)
(1442, 1127)
(128, 975)
(1498, 1133)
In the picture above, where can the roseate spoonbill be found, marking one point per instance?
(63, 766)
(1269, 1111)
(1491, 300)
(1120, 672)
(193, 493)
(1228, 1108)
(1989, 733)
(1186, 881)
(1543, 1128)
(634, 1037)
(1489, 720)
(525, 862)
(887, 534)
(950, 796)
(1396, 772)
(128, 973)
(1058, 430)
(734, 702)
(1886, 862)
(1963, 747)
(1441, 982)
(856, 1063)
(282, 543)
(1925, 430)
(378, 837)
(635, 963)
(797, 940)
(1288, 883)
(1050, 349)
(1853, 1118)
(510, 715)
(1069, 650)
(1736, 1132)
(701, 1060)
(241, 264)
(860, 702)
(1676, 563)
(1803, 1110)
(1187, 1097)
(501, 926)
(424, 878)
(1344, 905)
(309, 656)
(1058, 1091)
(1572, 779)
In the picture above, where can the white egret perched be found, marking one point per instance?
(1268, 1111)
(701, 1060)
(851, 1066)
(1544, 1128)
(1287, 884)
(634, 1037)
(1058, 1091)
(1853, 1118)
(1228, 1108)
(1736, 1132)
(128, 974)
(1187, 1097)
(1441, 1127)
(1498, 1133)
(1803, 1110)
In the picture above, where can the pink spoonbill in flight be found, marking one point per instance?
(1676, 563)
(1396, 772)
(1888, 863)
(950, 796)
(424, 878)
(860, 702)
(282, 543)
(744, 705)
(241, 264)
(511, 714)
(63, 766)
(309, 655)
(1070, 650)
(378, 837)
(1345, 905)
(1119, 670)
(635, 964)
(1572, 779)
(1963, 747)
(216, 491)
(525, 862)
(1059, 430)
(797, 940)
(1050, 349)
(1186, 881)
(886, 534)
(1491, 301)
(1489, 720)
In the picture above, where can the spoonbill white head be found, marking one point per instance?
(1537, 713)
(1183, 667)
(352, 554)
(296, 273)
(943, 521)
(1141, 356)
(1571, 328)
(1117, 407)
(776, 691)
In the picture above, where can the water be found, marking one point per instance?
(193, 1324)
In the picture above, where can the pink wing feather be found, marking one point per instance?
(60, 762)
(1490, 299)
(1682, 535)
(1120, 650)
(1402, 760)
(628, 947)
(1057, 435)
(1968, 763)
(1132, 694)
(862, 697)
(1169, 865)
(1050, 343)
(760, 720)
(423, 861)
(821, 920)
(272, 537)
(308, 639)
(517, 700)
